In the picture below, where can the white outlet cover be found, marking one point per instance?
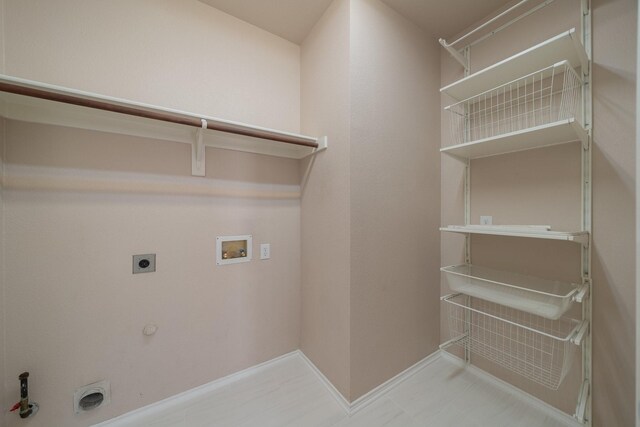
(486, 220)
(265, 251)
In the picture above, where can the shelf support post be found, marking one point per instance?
(584, 407)
(198, 152)
(467, 212)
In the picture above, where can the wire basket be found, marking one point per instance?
(541, 98)
(537, 348)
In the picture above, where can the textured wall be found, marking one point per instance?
(369, 224)
(177, 54)
(4, 399)
(80, 203)
(326, 197)
(614, 257)
(542, 187)
(395, 185)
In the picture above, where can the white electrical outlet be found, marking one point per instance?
(265, 251)
(486, 220)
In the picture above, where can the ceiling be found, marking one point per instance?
(289, 19)
(445, 18)
(293, 19)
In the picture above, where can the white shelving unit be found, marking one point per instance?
(535, 347)
(536, 110)
(534, 99)
(566, 46)
(35, 102)
(546, 298)
(560, 132)
(531, 232)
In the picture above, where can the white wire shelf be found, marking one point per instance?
(560, 132)
(534, 232)
(533, 111)
(36, 102)
(565, 46)
(537, 348)
(546, 298)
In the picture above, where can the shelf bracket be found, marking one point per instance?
(583, 398)
(198, 152)
(583, 292)
(456, 55)
(323, 143)
(582, 331)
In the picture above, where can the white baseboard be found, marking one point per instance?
(350, 408)
(342, 401)
(392, 383)
(549, 410)
(365, 400)
(155, 408)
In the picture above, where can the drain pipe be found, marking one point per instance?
(27, 409)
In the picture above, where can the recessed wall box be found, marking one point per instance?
(233, 249)
(91, 396)
(144, 263)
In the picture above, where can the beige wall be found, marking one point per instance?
(326, 197)
(395, 179)
(4, 401)
(614, 257)
(81, 203)
(177, 54)
(3, 398)
(550, 177)
(369, 239)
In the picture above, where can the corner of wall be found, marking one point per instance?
(395, 179)
(325, 198)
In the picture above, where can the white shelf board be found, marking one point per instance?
(566, 46)
(581, 237)
(43, 111)
(542, 297)
(560, 132)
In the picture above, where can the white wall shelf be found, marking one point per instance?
(581, 237)
(546, 298)
(566, 46)
(36, 102)
(533, 99)
(535, 347)
(560, 132)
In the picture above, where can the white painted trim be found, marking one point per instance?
(370, 397)
(511, 389)
(149, 411)
(158, 407)
(342, 401)
(392, 383)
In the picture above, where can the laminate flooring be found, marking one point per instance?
(287, 393)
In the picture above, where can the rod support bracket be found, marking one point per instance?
(456, 55)
(323, 144)
(198, 166)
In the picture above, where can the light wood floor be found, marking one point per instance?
(288, 393)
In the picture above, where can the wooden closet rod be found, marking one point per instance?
(156, 115)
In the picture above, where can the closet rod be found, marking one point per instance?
(444, 43)
(196, 122)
